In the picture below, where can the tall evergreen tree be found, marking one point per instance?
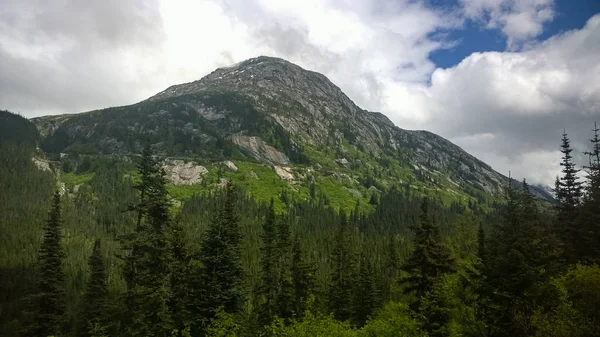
(568, 194)
(481, 253)
(343, 271)
(180, 278)
(49, 302)
(221, 276)
(268, 286)
(93, 315)
(283, 258)
(303, 279)
(593, 188)
(366, 294)
(588, 221)
(392, 265)
(429, 260)
(147, 169)
(148, 265)
(524, 255)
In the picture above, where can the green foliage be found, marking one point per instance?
(393, 320)
(73, 179)
(302, 272)
(223, 325)
(49, 303)
(181, 277)
(524, 255)
(197, 269)
(93, 316)
(148, 264)
(568, 191)
(576, 295)
(365, 294)
(312, 325)
(343, 275)
(268, 287)
(17, 129)
(429, 260)
(221, 275)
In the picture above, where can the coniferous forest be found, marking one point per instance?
(120, 256)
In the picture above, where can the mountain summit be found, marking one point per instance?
(274, 112)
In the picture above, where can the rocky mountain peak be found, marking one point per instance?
(272, 78)
(261, 72)
(275, 112)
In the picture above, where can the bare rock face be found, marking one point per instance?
(285, 173)
(343, 162)
(41, 164)
(182, 173)
(259, 150)
(230, 165)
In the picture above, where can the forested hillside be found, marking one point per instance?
(107, 245)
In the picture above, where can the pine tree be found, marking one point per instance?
(93, 315)
(392, 265)
(221, 276)
(148, 265)
(284, 281)
(49, 302)
(180, 278)
(343, 272)
(524, 255)
(366, 295)
(593, 188)
(268, 287)
(481, 253)
(568, 194)
(429, 260)
(588, 221)
(147, 169)
(303, 279)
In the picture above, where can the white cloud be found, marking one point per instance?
(509, 109)
(519, 20)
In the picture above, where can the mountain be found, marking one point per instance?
(296, 122)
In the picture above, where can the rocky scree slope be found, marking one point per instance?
(271, 111)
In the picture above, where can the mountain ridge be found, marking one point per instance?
(272, 102)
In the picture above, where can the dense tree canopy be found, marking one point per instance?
(117, 251)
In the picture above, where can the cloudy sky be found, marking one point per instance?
(501, 78)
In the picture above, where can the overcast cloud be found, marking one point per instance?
(507, 108)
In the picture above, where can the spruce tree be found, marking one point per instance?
(303, 279)
(49, 302)
(366, 295)
(180, 278)
(148, 265)
(481, 254)
(593, 188)
(588, 221)
(284, 281)
(343, 272)
(221, 276)
(568, 194)
(392, 265)
(93, 315)
(429, 260)
(524, 254)
(268, 286)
